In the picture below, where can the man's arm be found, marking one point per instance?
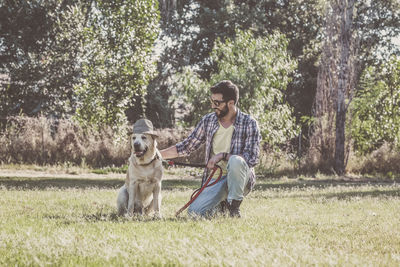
(187, 146)
(169, 153)
(251, 150)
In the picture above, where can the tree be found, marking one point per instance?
(336, 82)
(190, 29)
(260, 67)
(346, 77)
(376, 23)
(342, 60)
(117, 63)
(40, 49)
(87, 58)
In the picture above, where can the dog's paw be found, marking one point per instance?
(130, 210)
(157, 216)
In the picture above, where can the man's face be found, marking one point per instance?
(219, 105)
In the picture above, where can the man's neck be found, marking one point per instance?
(229, 118)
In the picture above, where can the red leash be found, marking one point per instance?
(197, 192)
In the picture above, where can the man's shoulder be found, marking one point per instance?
(210, 117)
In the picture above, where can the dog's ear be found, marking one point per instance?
(130, 132)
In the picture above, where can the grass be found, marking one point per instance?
(286, 222)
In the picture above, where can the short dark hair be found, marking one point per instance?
(228, 90)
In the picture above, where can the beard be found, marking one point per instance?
(222, 113)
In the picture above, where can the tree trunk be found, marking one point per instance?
(328, 147)
(346, 8)
(340, 139)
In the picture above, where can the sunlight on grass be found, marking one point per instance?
(285, 223)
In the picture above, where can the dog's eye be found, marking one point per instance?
(144, 137)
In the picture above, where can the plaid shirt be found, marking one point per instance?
(245, 140)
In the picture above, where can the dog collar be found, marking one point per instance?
(155, 158)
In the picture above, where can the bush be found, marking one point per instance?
(27, 140)
(384, 160)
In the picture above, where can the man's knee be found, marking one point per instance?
(237, 164)
(238, 176)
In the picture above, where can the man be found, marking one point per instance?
(232, 141)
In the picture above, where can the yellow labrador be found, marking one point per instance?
(141, 192)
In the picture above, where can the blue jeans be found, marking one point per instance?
(232, 186)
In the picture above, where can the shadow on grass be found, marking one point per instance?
(362, 194)
(320, 183)
(182, 184)
(110, 217)
(70, 183)
(376, 188)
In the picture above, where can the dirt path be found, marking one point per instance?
(55, 173)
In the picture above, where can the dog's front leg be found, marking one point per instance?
(157, 200)
(138, 200)
(131, 200)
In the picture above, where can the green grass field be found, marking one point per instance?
(286, 222)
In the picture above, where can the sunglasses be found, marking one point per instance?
(217, 102)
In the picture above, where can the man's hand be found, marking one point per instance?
(169, 153)
(214, 160)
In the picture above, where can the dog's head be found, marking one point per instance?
(143, 146)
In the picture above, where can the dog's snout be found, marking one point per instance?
(136, 145)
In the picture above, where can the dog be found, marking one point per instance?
(141, 192)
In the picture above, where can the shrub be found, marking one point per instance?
(383, 160)
(27, 140)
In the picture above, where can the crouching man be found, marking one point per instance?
(232, 141)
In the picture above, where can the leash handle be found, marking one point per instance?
(197, 192)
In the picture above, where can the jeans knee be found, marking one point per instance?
(236, 163)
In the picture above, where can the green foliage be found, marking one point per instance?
(191, 33)
(261, 68)
(377, 23)
(198, 24)
(118, 60)
(40, 44)
(83, 58)
(376, 108)
(301, 22)
(94, 55)
(191, 95)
